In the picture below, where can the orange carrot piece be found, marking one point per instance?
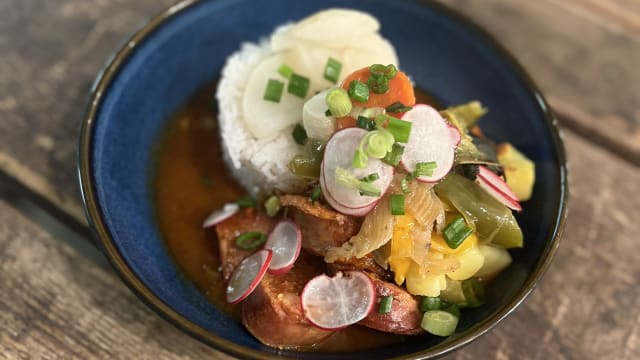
(400, 89)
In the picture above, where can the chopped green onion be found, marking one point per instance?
(299, 135)
(360, 159)
(246, 202)
(439, 322)
(425, 168)
(328, 113)
(315, 193)
(371, 112)
(474, 292)
(272, 206)
(285, 70)
(371, 177)
(380, 120)
(430, 303)
(250, 240)
(332, 70)
(397, 204)
(400, 129)
(338, 101)
(393, 157)
(404, 185)
(456, 232)
(377, 143)
(365, 123)
(378, 84)
(298, 85)
(397, 107)
(345, 178)
(273, 91)
(388, 71)
(385, 305)
(453, 309)
(358, 91)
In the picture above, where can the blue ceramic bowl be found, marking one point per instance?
(185, 47)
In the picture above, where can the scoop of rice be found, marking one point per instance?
(260, 165)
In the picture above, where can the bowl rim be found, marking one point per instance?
(104, 241)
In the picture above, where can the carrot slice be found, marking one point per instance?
(400, 89)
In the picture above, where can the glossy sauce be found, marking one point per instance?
(191, 181)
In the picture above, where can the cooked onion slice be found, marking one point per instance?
(221, 215)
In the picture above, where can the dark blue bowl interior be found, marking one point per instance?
(443, 55)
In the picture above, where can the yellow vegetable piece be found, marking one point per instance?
(519, 170)
(438, 244)
(424, 285)
(471, 261)
(401, 246)
(496, 259)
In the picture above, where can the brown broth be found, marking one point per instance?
(191, 181)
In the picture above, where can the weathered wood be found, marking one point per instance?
(55, 304)
(584, 54)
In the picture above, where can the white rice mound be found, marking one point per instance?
(260, 165)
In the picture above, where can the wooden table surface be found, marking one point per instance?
(59, 298)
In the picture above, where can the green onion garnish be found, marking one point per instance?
(377, 143)
(370, 178)
(358, 91)
(206, 181)
(285, 70)
(456, 232)
(388, 71)
(393, 157)
(327, 113)
(338, 101)
(298, 85)
(272, 206)
(425, 168)
(345, 178)
(378, 84)
(315, 193)
(397, 107)
(360, 159)
(397, 204)
(299, 135)
(439, 322)
(273, 92)
(385, 304)
(430, 303)
(473, 291)
(246, 202)
(404, 185)
(332, 70)
(250, 240)
(400, 129)
(365, 123)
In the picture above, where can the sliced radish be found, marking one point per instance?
(221, 215)
(430, 140)
(455, 135)
(499, 189)
(332, 303)
(343, 209)
(247, 275)
(284, 241)
(339, 154)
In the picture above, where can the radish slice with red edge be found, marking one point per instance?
(221, 215)
(247, 275)
(342, 209)
(455, 135)
(430, 140)
(497, 188)
(332, 303)
(339, 154)
(285, 241)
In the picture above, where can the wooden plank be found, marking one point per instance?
(55, 304)
(587, 68)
